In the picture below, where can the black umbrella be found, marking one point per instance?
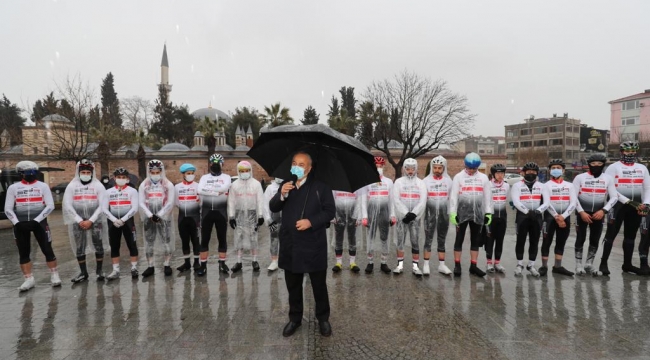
(340, 161)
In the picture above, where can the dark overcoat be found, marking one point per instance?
(304, 251)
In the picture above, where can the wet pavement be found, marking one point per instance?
(374, 316)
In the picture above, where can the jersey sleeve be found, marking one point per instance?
(418, 210)
(612, 193)
(577, 186)
(10, 202)
(516, 198)
(101, 192)
(171, 196)
(573, 199)
(49, 203)
(546, 200)
(134, 205)
(453, 197)
(487, 196)
(400, 209)
(142, 195)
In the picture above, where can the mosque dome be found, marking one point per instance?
(210, 112)
(174, 147)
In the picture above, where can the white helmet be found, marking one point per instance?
(411, 163)
(438, 160)
(26, 165)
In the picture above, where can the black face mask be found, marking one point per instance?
(29, 178)
(215, 169)
(530, 178)
(596, 170)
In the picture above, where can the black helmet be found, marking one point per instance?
(121, 171)
(629, 145)
(597, 157)
(497, 168)
(557, 162)
(86, 164)
(530, 166)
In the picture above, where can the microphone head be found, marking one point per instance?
(294, 178)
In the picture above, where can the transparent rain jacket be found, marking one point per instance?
(84, 202)
(246, 205)
(157, 199)
(471, 197)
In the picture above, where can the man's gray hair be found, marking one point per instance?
(301, 152)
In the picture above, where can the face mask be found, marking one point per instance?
(215, 169)
(596, 170)
(530, 177)
(120, 182)
(105, 181)
(245, 176)
(155, 178)
(629, 158)
(556, 173)
(298, 171)
(189, 178)
(380, 171)
(29, 178)
(85, 178)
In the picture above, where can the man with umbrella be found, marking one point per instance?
(307, 207)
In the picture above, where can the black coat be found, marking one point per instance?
(304, 251)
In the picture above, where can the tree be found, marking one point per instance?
(183, 125)
(11, 120)
(276, 115)
(48, 106)
(348, 101)
(137, 114)
(367, 117)
(110, 102)
(245, 117)
(422, 115)
(536, 155)
(207, 127)
(163, 125)
(335, 109)
(310, 117)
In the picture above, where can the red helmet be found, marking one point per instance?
(380, 160)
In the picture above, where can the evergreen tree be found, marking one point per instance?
(11, 120)
(310, 117)
(348, 101)
(110, 102)
(163, 126)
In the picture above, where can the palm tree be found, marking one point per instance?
(208, 127)
(276, 115)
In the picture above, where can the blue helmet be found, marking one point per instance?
(472, 160)
(187, 167)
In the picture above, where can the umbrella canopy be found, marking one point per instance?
(340, 161)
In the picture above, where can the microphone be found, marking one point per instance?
(294, 179)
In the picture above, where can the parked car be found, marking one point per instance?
(59, 189)
(511, 179)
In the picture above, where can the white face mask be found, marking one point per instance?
(245, 176)
(120, 182)
(155, 178)
(380, 171)
(189, 178)
(85, 178)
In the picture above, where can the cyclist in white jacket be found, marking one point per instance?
(470, 205)
(593, 188)
(633, 186)
(557, 220)
(409, 199)
(496, 231)
(274, 221)
(436, 218)
(531, 199)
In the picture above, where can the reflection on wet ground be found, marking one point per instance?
(374, 316)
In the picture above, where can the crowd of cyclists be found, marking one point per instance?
(99, 218)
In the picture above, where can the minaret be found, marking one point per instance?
(164, 71)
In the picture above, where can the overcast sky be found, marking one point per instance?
(510, 58)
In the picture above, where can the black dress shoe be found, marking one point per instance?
(325, 328)
(290, 328)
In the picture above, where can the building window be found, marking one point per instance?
(632, 120)
(556, 141)
(513, 145)
(541, 142)
(630, 137)
(553, 129)
(46, 150)
(630, 105)
(524, 132)
(541, 130)
(526, 144)
(510, 133)
(35, 150)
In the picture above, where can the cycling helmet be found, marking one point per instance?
(26, 167)
(86, 164)
(121, 171)
(439, 160)
(530, 166)
(472, 160)
(557, 162)
(497, 168)
(216, 158)
(379, 160)
(629, 146)
(156, 165)
(187, 167)
(597, 157)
